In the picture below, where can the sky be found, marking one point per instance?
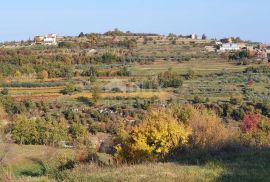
(248, 19)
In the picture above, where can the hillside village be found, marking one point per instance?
(259, 51)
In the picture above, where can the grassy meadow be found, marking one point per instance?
(31, 163)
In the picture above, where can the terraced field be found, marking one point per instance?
(200, 67)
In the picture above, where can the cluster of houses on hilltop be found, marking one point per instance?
(50, 39)
(258, 51)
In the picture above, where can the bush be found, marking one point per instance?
(4, 91)
(208, 131)
(38, 131)
(236, 100)
(68, 45)
(124, 72)
(78, 133)
(250, 123)
(149, 84)
(190, 74)
(153, 139)
(68, 90)
(198, 100)
(43, 75)
(255, 131)
(169, 79)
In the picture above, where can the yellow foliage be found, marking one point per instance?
(18, 74)
(155, 137)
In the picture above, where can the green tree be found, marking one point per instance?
(79, 133)
(24, 131)
(58, 131)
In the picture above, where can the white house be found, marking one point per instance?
(229, 47)
(50, 39)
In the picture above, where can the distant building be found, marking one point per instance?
(39, 39)
(51, 39)
(229, 47)
(194, 36)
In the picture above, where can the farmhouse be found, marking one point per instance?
(229, 47)
(48, 40)
(39, 39)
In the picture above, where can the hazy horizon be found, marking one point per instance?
(247, 19)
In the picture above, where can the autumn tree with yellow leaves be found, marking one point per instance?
(153, 139)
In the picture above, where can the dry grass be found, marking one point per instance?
(146, 172)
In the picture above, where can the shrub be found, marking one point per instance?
(11, 107)
(149, 84)
(4, 91)
(68, 45)
(208, 131)
(38, 131)
(169, 79)
(250, 123)
(190, 74)
(43, 75)
(78, 133)
(68, 89)
(153, 139)
(236, 100)
(197, 100)
(237, 114)
(255, 130)
(124, 72)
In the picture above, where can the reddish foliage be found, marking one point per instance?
(250, 122)
(250, 83)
